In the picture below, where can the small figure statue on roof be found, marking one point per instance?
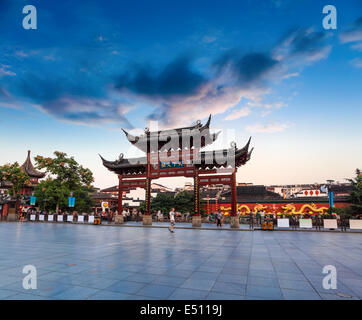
(120, 158)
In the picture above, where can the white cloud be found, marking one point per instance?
(357, 62)
(268, 128)
(351, 36)
(240, 113)
(357, 46)
(209, 39)
(4, 71)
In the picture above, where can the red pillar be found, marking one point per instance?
(120, 194)
(148, 185)
(233, 193)
(196, 194)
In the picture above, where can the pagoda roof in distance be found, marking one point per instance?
(29, 169)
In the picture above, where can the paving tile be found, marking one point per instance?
(296, 285)
(263, 292)
(290, 294)
(156, 291)
(44, 288)
(6, 293)
(223, 296)
(227, 287)
(261, 281)
(246, 265)
(233, 278)
(199, 284)
(25, 296)
(108, 295)
(326, 296)
(296, 276)
(126, 287)
(204, 275)
(142, 277)
(188, 294)
(169, 281)
(75, 293)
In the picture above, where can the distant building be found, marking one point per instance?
(131, 199)
(34, 177)
(6, 202)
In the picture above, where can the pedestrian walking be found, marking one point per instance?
(257, 216)
(251, 220)
(218, 218)
(343, 222)
(262, 214)
(172, 220)
(293, 222)
(318, 222)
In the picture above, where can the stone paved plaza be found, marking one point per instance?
(103, 262)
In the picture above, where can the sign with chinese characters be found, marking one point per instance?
(171, 164)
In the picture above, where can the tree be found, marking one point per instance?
(66, 177)
(16, 176)
(164, 202)
(182, 202)
(356, 193)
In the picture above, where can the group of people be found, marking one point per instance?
(179, 217)
(129, 215)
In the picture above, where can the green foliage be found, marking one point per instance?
(182, 202)
(163, 202)
(345, 212)
(67, 177)
(356, 193)
(16, 176)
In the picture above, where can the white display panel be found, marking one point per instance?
(60, 218)
(355, 224)
(305, 223)
(50, 217)
(90, 219)
(70, 218)
(80, 218)
(41, 217)
(283, 223)
(32, 217)
(330, 223)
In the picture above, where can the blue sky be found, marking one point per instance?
(265, 69)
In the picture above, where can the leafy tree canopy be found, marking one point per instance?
(66, 177)
(16, 176)
(182, 202)
(356, 193)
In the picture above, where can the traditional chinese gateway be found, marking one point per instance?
(176, 153)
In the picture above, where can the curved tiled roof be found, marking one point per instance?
(232, 157)
(180, 137)
(28, 168)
